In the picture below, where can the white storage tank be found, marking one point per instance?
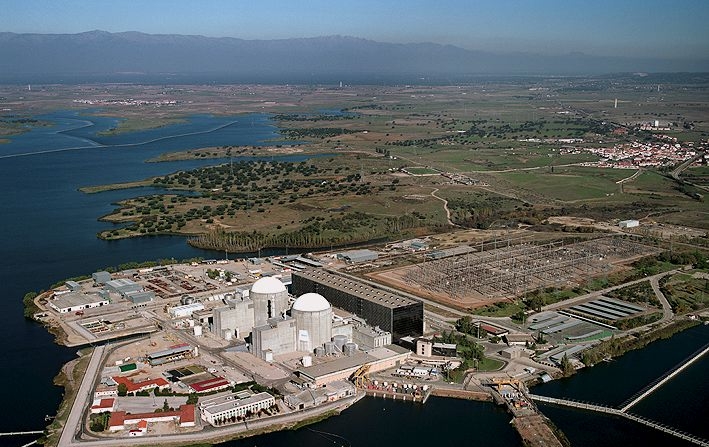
(307, 361)
(349, 349)
(340, 341)
(198, 330)
(330, 348)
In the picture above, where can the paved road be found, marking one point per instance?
(215, 434)
(74, 421)
(667, 313)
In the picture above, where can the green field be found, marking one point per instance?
(568, 185)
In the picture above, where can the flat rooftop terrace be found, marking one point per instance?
(358, 289)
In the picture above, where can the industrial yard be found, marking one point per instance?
(227, 343)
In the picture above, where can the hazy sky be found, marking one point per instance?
(648, 28)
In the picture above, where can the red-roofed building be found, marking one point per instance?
(494, 330)
(213, 384)
(101, 405)
(141, 386)
(184, 416)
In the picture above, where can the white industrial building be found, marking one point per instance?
(123, 286)
(236, 319)
(223, 408)
(313, 320)
(368, 337)
(101, 277)
(310, 397)
(73, 301)
(275, 337)
(631, 223)
(186, 310)
(270, 299)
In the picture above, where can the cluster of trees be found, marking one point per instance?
(567, 368)
(469, 351)
(29, 307)
(350, 228)
(615, 347)
(99, 422)
(241, 175)
(481, 212)
(317, 132)
(313, 118)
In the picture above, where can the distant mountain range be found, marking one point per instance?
(133, 54)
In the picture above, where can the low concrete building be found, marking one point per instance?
(313, 397)
(145, 385)
(341, 368)
(368, 337)
(73, 286)
(140, 298)
(445, 349)
(74, 301)
(221, 409)
(518, 339)
(184, 417)
(185, 311)
(424, 347)
(101, 277)
(236, 318)
(103, 405)
(358, 256)
(631, 223)
(513, 352)
(210, 385)
(277, 336)
(123, 286)
(338, 369)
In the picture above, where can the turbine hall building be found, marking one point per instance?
(400, 315)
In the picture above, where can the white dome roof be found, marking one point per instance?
(268, 285)
(311, 302)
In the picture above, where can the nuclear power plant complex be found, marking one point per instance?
(272, 322)
(400, 315)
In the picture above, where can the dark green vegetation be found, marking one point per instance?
(30, 308)
(326, 202)
(636, 293)
(316, 132)
(686, 292)
(522, 149)
(16, 124)
(615, 347)
(99, 422)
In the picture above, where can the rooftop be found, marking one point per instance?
(221, 403)
(137, 386)
(268, 285)
(209, 384)
(311, 302)
(73, 299)
(388, 351)
(339, 364)
(358, 289)
(185, 414)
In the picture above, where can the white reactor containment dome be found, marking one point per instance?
(268, 285)
(311, 302)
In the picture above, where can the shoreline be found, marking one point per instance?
(290, 421)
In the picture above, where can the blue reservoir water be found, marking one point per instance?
(49, 233)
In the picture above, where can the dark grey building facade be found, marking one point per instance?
(402, 316)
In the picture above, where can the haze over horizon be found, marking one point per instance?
(659, 29)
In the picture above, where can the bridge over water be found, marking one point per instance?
(637, 397)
